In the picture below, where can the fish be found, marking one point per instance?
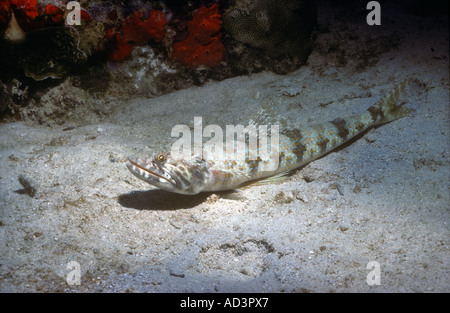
(297, 147)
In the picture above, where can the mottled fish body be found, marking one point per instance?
(297, 147)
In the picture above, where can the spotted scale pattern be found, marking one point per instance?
(297, 147)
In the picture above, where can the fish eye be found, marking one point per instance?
(161, 157)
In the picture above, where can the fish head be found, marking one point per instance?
(162, 170)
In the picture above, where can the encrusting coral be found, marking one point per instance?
(203, 46)
(136, 31)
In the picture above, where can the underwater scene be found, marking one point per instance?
(224, 146)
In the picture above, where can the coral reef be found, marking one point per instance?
(31, 15)
(203, 45)
(49, 53)
(139, 30)
(36, 42)
(136, 31)
(54, 13)
(146, 47)
(280, 30)
(277, 27)
(121, 50)
(28, 7)
(139, 74)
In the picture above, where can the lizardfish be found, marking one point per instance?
(297, 147)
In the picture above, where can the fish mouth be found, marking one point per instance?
(135, 168)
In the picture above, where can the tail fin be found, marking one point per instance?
(390, 107)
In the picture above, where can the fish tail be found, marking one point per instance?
(390, 107)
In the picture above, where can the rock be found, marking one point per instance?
(284, 197)
(280, 29)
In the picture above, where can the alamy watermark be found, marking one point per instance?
(374, 276)
(374, 16)
(74, 16)
(236, 146)
(74, 276)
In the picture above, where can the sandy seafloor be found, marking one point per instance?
(382, 198)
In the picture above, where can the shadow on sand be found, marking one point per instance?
(157, 199)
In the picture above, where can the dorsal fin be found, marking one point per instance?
(267, 116)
